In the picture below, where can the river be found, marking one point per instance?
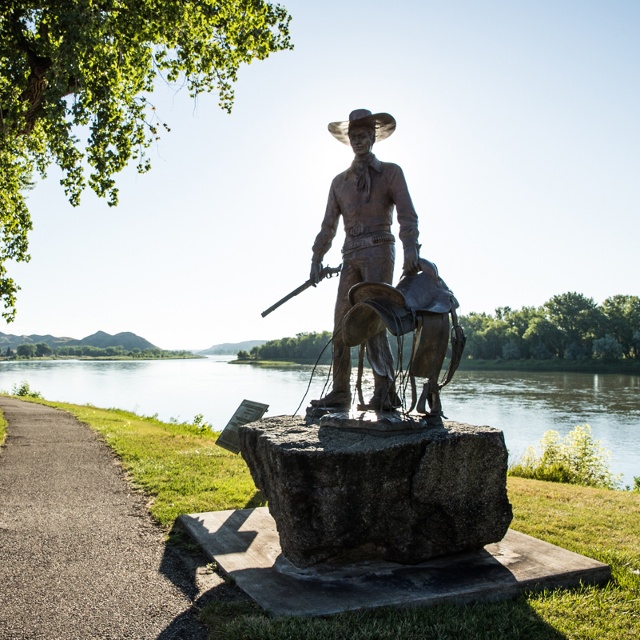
(523, 405)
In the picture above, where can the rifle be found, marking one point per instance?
(327, 272)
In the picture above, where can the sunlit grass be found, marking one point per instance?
(599, 523)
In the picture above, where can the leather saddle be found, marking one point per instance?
(377, 306)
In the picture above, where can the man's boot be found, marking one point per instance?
(333, 400)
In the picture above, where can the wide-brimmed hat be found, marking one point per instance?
(383, 123)
(376, 305)
(364, 291)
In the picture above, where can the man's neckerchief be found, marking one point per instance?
(360, 167)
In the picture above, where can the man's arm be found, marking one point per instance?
(407, 219)
(325, 238)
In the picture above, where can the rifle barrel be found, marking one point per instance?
(295, 292)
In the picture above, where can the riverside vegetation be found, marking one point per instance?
(181, 469)
(568, 332)
(43, 350)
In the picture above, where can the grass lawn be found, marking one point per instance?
(182, 471)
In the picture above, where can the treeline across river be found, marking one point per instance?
(43, 350)
(569, 327)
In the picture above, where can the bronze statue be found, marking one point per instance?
(420, 304)
(364, 196)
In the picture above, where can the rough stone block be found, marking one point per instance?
(340, 496)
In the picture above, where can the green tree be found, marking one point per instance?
(579, 321)
(490, 337)
(519, 321)
(622, 319)
(305, 347)
(72, 66)
(43, 349)
(544, 339)
(473, 325)
(607, 348)
(26, 350)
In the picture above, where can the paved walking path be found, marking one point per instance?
(79, 555)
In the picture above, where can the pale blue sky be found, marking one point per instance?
(518, 132)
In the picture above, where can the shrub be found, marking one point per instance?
(575, 459)
(24, 390)
(200, 424)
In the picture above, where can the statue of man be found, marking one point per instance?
(365, 195)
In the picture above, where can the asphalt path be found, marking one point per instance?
(79, 555)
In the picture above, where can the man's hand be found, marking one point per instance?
(411, 264)
(316, 272)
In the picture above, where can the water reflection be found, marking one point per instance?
(523, 405)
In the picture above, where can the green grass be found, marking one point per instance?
(182, 471)
(3, 429)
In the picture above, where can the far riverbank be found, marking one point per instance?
(187, 356)
(624, 367)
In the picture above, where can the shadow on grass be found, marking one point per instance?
(257, 500)
(510, 620)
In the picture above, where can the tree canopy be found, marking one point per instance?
(86, 67)
(569, 326)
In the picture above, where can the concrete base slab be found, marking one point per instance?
(245, 545)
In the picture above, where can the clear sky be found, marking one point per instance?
(518, 132)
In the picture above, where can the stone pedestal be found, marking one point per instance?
(344, 496)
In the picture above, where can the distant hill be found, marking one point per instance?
(9, 340)
(230, 348)
(126, 340)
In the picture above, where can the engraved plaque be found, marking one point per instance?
(247, 412)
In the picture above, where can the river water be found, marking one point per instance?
(523, 405)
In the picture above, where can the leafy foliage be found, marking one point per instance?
(23, 390)
(76, 67)
(40, 349)
(569, 326)
(610, 331)
(305, 347)
(576, 459)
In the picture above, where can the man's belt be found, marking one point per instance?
(365, 241)
(361, 229)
